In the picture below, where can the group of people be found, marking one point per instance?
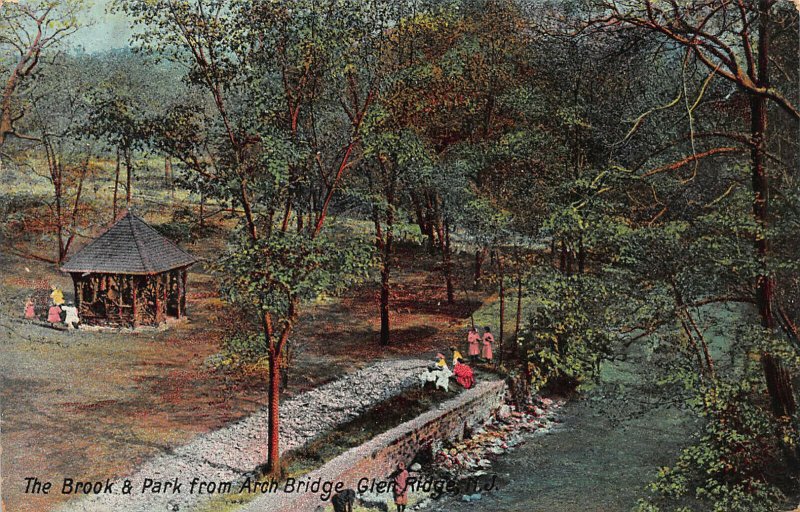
(58, 310)
(479, 348)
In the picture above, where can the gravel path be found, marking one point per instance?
(228, 454)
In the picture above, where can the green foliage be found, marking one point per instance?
(270, 273)
(731, 467)
(245, 347)
(572, 329)
(176, 231)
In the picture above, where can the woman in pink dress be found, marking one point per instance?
(30, 311)
(488, 339)
(54, 314)
(473, 344)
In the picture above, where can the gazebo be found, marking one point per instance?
(130, 275)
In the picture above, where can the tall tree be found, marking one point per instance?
(733, 40)
(291, 85)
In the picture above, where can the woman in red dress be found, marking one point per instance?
(30, 312)
(464, 375)
(54, 314)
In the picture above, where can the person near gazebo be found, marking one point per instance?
(54, 314)
(30, 310)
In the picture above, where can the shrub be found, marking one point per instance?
(732, 468)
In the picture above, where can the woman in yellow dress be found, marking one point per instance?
(57, 296)
(456, 355)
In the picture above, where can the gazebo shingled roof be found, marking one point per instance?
(130, 246)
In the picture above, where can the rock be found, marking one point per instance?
(476, 497)
(466, 498)
(415, 467)
(504, 412)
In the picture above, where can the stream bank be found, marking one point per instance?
(589, 462)
(606, 446)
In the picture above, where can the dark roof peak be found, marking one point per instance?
(130, 246)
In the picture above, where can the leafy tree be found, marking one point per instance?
(55, 118)
(290, 86)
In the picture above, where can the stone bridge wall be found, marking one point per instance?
(378, 457)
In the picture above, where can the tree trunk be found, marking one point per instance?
(447, 262)
(203, 210)
(779, 384)
(273, 424)
(386, 269)
(480, 256)
(778, 380)
(59, 193)
(128, 178)
(502, 306)
(6, 123)
(168, 171)
(116, 187)
(570, 260)
(424, 225)
(384, 307)
(430, 220)
(518, 319)
(384, 245)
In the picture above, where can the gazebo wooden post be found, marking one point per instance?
(155, 283)
(164, 279)
(183, 290)
(77, 295)
(120, 298)
(179, 289)
(134, 286)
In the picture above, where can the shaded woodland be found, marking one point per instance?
(612, 170)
